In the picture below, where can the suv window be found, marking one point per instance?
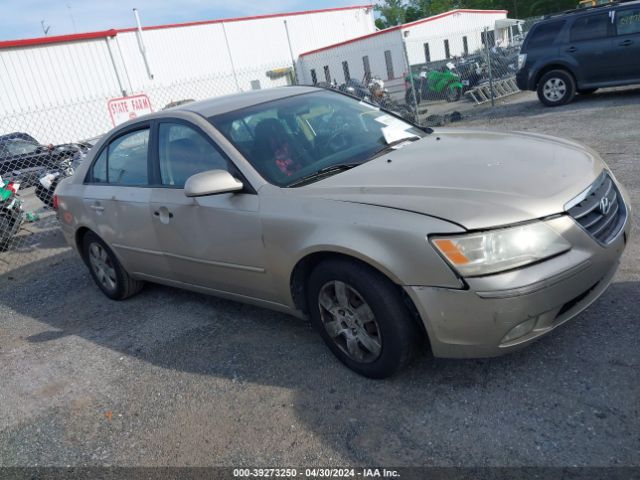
(628, 21)
(545, 34)
(590, 27)
(124, 161)
(183, 152)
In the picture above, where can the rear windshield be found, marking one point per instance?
(543, 35)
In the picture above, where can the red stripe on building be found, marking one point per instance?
(112, 32)
(401, 27)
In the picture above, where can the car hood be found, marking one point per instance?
(476, 179)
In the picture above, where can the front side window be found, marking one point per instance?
(183, 152)
(590, 27)
(628, 21)
(288, 139)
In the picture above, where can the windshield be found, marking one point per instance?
(294, 137)
(17, 146)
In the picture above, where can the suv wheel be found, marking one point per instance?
(362, 318)
(556, 88)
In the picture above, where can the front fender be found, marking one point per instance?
(390, 240)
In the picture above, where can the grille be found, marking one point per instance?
(600, 210)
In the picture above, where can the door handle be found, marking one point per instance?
(572, 49)
(626, 43)
(157, 214)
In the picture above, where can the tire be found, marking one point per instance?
(556, 88)
(370, 310)
(44, 195)
(453, 94)
(587, 91)
(408, 98)
(106, 270)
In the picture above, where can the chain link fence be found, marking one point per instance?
(55, 103)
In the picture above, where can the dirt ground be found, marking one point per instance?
(176, 378)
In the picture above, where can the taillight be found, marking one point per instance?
(11, 186)
(56, 203)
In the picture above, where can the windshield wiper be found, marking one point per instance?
(390, 146)
(323, 172)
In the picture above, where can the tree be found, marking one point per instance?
(392, 12)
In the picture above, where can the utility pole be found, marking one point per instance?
(73, 21)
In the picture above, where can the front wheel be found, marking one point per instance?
(362, 318)
(453, 94)
(556, 88)
(109, 275)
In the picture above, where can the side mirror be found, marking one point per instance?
(211, 182)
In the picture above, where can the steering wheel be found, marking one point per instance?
(338, 140)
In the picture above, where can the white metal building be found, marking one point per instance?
(384, 53)
(57, 88)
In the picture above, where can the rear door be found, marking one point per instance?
(213, 241)
(116, 200)
(590, 45)
(626, 43)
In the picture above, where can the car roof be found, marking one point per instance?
(237, 101)
(597, 8)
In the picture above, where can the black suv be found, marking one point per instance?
(581, 51)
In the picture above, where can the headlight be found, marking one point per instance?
(499, 250)
(522, 59)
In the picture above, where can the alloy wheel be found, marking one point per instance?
(102, 266)
(555, 89)
(349, 321)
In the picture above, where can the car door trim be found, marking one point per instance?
(234, 266)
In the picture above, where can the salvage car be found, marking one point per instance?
(384, 234)
(24, 160)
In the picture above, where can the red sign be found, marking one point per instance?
(128, 108)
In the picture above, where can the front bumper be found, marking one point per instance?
(474, 322)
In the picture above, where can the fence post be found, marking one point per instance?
(293, 60)
(486, 44)
(413, 85)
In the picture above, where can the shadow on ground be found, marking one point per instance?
(571, 398)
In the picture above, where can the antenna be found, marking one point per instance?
(45, 29)
(73, 20)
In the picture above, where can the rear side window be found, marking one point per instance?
(124, 161)
(544, 35)
(628, 21)
(590, 28)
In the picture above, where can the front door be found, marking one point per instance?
(590, 46)
(213, 241)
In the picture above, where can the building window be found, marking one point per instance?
(447, 51)
(327, 74)
(389, 61)
(314, 77)
(465, 45)
(255, 85)
(489, 38)
(427, 53)
(345, 70)
(367, 69)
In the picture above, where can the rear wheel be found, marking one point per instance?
(362, 318)
(106, 270)
(556, 88)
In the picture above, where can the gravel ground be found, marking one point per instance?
(175, 378)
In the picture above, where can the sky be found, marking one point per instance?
(22, 18)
